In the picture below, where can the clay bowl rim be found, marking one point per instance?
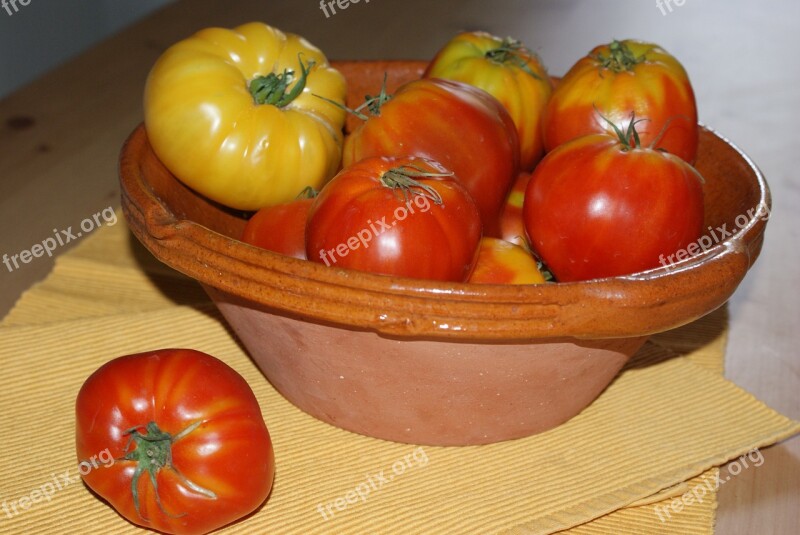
(618, 307)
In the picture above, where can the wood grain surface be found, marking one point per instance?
(60, 136)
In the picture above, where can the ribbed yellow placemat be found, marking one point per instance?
(666, 419)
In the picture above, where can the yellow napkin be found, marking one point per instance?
(657, 432)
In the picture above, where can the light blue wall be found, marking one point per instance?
(45, 33)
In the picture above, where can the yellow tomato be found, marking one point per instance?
(502, 262)
(233, 114)
(508, 71)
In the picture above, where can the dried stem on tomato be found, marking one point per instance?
(403, 178)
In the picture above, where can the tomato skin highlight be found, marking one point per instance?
(460, 126)
(280, 228)
(594, 209)
(656, 89)
(516, 78)
(502, 262)
(229, 454)
(358, 223)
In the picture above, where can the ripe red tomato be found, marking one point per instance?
(508, 71)
(616, 80)
(501, 262)
(512, 228)
(281, 228)
(190, 449)
(597, 207)
(460, 126)
(397, 216)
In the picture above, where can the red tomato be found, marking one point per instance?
(281, 228)
(397, 216)
(501, 262)
(616, 80)
(458, 125)
(508, 71)
(512, 228)
(185, 420)
(597, 207)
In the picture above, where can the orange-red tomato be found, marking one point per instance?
(620, 79)
(508, 71)
(408, 217)
(460, 126)
(501, 262)
(512, 228)
(596, 207)
(280, 228)
(184, 420)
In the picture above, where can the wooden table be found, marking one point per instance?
(59, 139)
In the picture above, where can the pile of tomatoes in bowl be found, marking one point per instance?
(483, 170)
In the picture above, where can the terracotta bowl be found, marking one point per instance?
(430, 362)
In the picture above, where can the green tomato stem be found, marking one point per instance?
(153, 452)
(620, 58)
(272, 88)
(372, 103)
(630, 137)
(510, 52)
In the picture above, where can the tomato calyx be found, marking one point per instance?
(509, 53)
(404, 177)
(620, 58)
(272, 88)
(153, 452)
(630, 137)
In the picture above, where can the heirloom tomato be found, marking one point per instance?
(408, 217)
(232, 114)
(512, 228)
(502, 262)
(462, 127)
(281, 228)
(508, 71)
(599, 206)
(187, 446)
(618, 79)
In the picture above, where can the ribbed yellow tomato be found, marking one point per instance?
(232, 113)
(508, 71)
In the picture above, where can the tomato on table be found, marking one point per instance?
(232, 114)
(407, 217)
(502, 262)
(599, 206)
(618, 79)
(281, 228)
(460, 126)
(191, 450)
(507, 70)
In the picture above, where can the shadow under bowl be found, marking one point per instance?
(428, 362)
